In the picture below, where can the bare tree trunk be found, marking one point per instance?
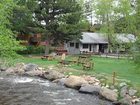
(47, 49)
(109, 35)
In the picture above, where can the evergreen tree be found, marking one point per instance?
(22, 19)
(58, 20)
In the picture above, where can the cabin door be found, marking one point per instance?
(101, 48)
(90, 47)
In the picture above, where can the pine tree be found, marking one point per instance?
(58, 20)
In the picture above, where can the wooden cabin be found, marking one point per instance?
(29, 39)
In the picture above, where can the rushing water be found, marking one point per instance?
(19, 90)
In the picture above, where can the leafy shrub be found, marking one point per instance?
(33, 50)
(136, 53)
(8, 44)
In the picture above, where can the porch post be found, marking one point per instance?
(97, 48)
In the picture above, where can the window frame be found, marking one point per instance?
(77, 45)
(71, 44)
(85, 46)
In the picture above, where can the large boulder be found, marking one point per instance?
(30, 67)
(10, 70)
(90, 89)
(52, 75)
(108, 94)
(18, 69)
(75, 82)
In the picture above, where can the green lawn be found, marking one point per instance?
(39, 61)
(124, 68)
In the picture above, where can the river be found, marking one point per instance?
(22, 90)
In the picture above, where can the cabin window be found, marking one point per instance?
(77, 45)
(85, 46)
(71, 44)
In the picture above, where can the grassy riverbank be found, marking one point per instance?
(124, 68)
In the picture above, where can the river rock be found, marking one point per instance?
(53, 75)
(91, 80)
(60, 81)
(35, 73)
(132, 92)
(30, 67)
(123, 84)
(18, 69)
(3, 68)
(10, 70)
(127, 100)
(124, 91)
(137, 103)
(75, 82)
(90, 89)
(108, 94)
(135, 99)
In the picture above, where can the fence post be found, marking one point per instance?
(114, 78)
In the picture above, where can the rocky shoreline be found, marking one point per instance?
(124, 95)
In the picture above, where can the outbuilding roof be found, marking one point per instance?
(99, 38)
(125, 38)
(88, 37)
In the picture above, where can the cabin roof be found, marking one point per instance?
(88, 37)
